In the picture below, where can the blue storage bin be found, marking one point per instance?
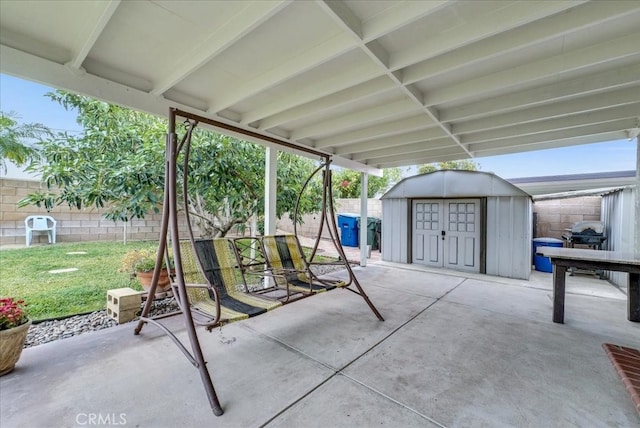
(541, 263)
(348, 224)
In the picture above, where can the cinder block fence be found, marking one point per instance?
(553, 216)
(72, 225)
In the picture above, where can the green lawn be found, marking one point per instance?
(24, 274)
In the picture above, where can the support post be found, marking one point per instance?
(270, 183)
(559, 277)
(364, 185)
(636, 228)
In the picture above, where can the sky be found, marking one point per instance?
(28, 101)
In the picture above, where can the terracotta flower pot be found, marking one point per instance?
(11, 344)
(164, 282)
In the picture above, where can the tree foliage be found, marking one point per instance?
(346, 182)
(14, 139)
(464, 165)
(117, 163)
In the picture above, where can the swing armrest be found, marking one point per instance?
(174, 286)
(269, 273)
(175, 290)
(286, 271)
(336, 263)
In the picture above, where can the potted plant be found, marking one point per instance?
(14, 326)
(140, 264)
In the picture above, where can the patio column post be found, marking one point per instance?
(637, 201)
(364, 185)
(270, 183)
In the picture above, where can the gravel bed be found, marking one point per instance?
(48, 331)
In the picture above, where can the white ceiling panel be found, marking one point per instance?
(375, 83)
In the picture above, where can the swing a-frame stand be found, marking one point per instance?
(211, 255)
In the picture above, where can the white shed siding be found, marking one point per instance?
(506, 250)
(395, 231)
(508, 245)
(618, 217)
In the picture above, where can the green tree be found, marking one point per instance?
(117, 163)
(346, 182)
(14, 139)
(221, 162)
(464, 165)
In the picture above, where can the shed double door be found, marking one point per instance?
(446, 233)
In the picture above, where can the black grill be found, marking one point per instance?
(588, 233)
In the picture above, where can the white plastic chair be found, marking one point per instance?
(40, 223)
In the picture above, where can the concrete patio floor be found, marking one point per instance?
(455, 350)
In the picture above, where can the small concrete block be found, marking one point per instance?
(123, 315)
(123, 298)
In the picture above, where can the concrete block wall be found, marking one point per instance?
(311, 221)
(374, 207)
(556, 215)
(72, 225)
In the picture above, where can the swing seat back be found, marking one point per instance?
(284, 252)
(219, 271)
(272, 283)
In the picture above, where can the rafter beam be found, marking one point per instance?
(437, 146)
(381, 58)
(366, 89)
(561, 123)
(419, 158)
(600, 128)
(398, 15)
(355, 119)
(342, 15)
(394, 140)
(548, 111)
(381, 130)
(513, 15)
(92, 31)
(578, 18)
(27, 66)
(620, 48)
(295, 66)
(565, 89)
(553, 144)
(353, 76)
(241, 24)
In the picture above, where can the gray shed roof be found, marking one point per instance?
(453, 184)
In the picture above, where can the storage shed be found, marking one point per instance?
(464, 220)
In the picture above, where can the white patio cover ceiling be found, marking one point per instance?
(376, 83)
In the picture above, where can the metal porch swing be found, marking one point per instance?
(203, 268)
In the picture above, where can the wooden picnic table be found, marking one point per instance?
(564, 258)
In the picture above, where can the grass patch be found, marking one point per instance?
(25, 275)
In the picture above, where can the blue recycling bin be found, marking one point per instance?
(541, 263)
(348, 224)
